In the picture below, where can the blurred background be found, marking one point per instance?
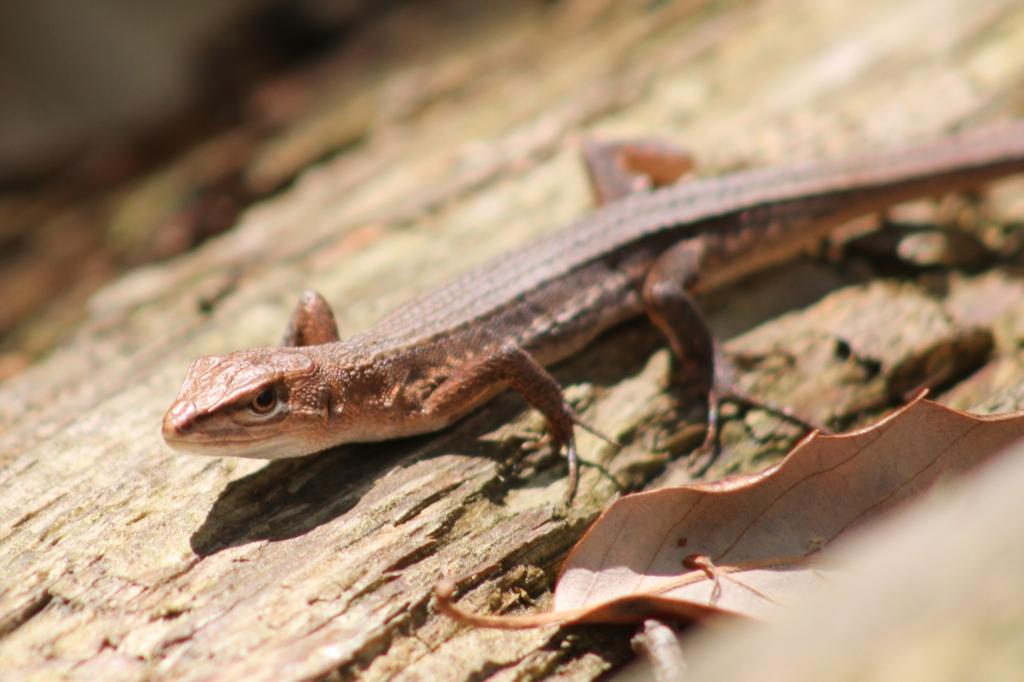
(105, 108)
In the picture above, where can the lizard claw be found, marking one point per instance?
(735, 395)
(709, 449)
(572, 479)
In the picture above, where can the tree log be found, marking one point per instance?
(123, 560)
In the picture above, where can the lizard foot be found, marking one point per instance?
(705, 455)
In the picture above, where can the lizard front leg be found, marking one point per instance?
(512, 367)
(311, 323)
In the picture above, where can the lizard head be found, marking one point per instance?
(265, 403)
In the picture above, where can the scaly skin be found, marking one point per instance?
(446, 352)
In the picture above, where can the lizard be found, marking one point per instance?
(498, 326)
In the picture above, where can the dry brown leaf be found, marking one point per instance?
(742, 545)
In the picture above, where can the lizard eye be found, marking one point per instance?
(264, 401)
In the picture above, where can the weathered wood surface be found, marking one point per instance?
(123, 560)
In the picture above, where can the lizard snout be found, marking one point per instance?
(179, 420)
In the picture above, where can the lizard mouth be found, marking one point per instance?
(181, 430)
(180, 433)
(248, 448)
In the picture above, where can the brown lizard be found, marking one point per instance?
(446, 352)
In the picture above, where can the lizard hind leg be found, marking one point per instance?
(700, 359)
(618, 169)
(311, 323)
